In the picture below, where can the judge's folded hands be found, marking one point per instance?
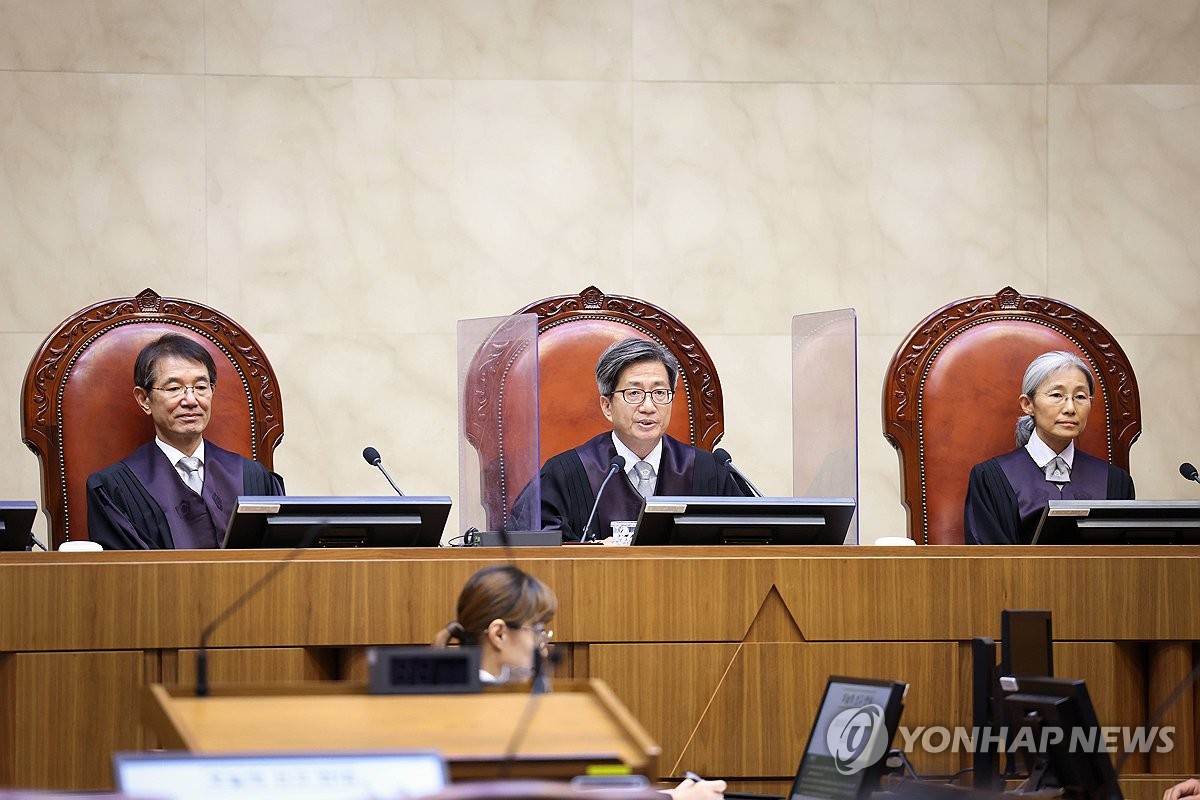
(1189, 788)
(697, 790)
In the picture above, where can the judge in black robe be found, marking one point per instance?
(570, 481)
(636, 382)
(142, 503)
(1006, 495)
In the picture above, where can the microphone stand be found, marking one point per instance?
(723, 457)
(618, 464)
(202, 650)
(372, 457)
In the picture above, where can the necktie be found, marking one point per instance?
(191, 466)
(645, 478)
(1057, 471)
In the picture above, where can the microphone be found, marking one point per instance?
(617, 465)
(202, 650)
(726, 460)
(1189, 472)
(542, 669)
(375, 460)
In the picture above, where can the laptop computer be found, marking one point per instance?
(278, 776)
(853, 729)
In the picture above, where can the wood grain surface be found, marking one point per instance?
(721, 653)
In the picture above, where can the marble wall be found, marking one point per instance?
(347, 178)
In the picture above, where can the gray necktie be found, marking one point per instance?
(1057, 471)
(645, 478)
(191, 466)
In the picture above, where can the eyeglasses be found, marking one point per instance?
(540, 632)
(200, 390)
(1060, 399)
(635, 397)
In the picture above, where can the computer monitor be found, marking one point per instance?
(854, 728)
(16, 524)
(344, 521)
(743, 520)
(1026, 643)
(313, 776)
(1119, 522)
(1027, 648)
(1053, 727)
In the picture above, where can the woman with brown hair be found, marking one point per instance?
(505, 613)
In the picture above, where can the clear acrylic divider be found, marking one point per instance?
(498, 456)
(825, 407)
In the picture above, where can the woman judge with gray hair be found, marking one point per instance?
(1007, 494)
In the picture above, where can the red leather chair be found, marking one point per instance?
(950, 397)
(573, 331)
(78, 411)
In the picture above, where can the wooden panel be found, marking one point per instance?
(261, 665)
(747, 710)
(1170, 664)
(887, 594)
(76, 709)
(1116, 681)
(701, 643)
(1144, 788)
(10, 744)
(323, 598)
(666, 687)
(561, 733)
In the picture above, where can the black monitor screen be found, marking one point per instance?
(1119, 522)
(667, 520)
(1053, 728)
(339, 521)
(854, 728)
(16, 524)
(1027, 643)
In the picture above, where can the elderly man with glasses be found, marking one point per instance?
(636, 379)
(177, 491)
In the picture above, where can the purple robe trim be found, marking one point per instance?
(621, 501)
(196, 521)
(1089, 481)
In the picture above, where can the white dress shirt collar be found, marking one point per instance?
(173, 455)
(631, 458)
(1043, 454)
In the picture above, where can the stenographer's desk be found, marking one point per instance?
(721, 653)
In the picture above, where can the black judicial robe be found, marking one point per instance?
(1007, 494)
(570, 481)
(141, 502)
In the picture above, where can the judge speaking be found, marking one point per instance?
(636, 380)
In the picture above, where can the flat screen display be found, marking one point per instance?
(390, 521)
(682, 520)
(854, 728)
(16, 524)
(312, 776)
(1119, 522)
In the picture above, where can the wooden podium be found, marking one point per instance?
(579, 724)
